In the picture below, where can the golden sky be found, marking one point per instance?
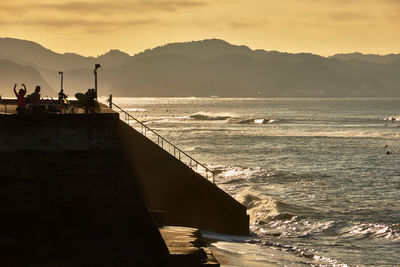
(92, 27)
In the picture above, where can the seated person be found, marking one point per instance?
(62, 96)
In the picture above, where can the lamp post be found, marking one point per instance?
(96, 66)
(62, 78)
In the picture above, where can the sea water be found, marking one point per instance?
(320, 177)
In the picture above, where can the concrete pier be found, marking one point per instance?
(77, 190)
(69, 199)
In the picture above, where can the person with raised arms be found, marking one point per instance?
(21, 103)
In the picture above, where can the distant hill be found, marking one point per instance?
(213, 67)
(368, 57)
(49, 63)
(37, 54)
(11, 73)
(45, 58)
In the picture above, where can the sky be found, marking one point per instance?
(92, 27)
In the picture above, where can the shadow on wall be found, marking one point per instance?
(187, 198)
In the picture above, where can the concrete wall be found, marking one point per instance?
(52, 132)
(169, 185)
(68, 197)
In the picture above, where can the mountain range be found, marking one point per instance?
(210, 67)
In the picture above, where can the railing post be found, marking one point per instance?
(110, 101)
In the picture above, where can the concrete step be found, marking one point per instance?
(186, 247)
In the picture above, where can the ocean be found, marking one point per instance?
(320, 177)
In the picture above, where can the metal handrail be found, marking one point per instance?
(177, 151)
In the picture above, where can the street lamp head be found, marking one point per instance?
(60, 72)
(96, 66)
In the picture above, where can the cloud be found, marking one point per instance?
(90, 15)
(64, 23)
(100, 7)
(243, 24)
(84, 16)
(348, 16)
(81, 25)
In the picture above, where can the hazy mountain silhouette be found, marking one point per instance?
(11, 73)
(368, 57)
(39, 55)
(49, 63)
(45, 58)
(213, 67)
(113, 57)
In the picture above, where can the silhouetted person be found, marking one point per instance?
(62, 96)
(35, 100)
(21, 103)
(62, 101)
(91, 93)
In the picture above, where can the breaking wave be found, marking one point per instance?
(250, 121)
(135, 109)
(205, 117)
(230, 172)
(374, 231)
(229, 118)
(392, 118)
(266, 209)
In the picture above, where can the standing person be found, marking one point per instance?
(35, 100)
(21, 103)
(91, 94)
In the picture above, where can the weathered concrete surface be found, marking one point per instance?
(52, 132)
(67, 197)
(9, 106)
(186, 247)
(75, 191)
(187, 198)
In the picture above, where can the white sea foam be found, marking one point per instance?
(210, 117)
(233, 172)
(253, 252)
(374, 230)
(250, 121)
(193, 148)
(392, 118)
(230, 118)
(135, 109)
(261, 210)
